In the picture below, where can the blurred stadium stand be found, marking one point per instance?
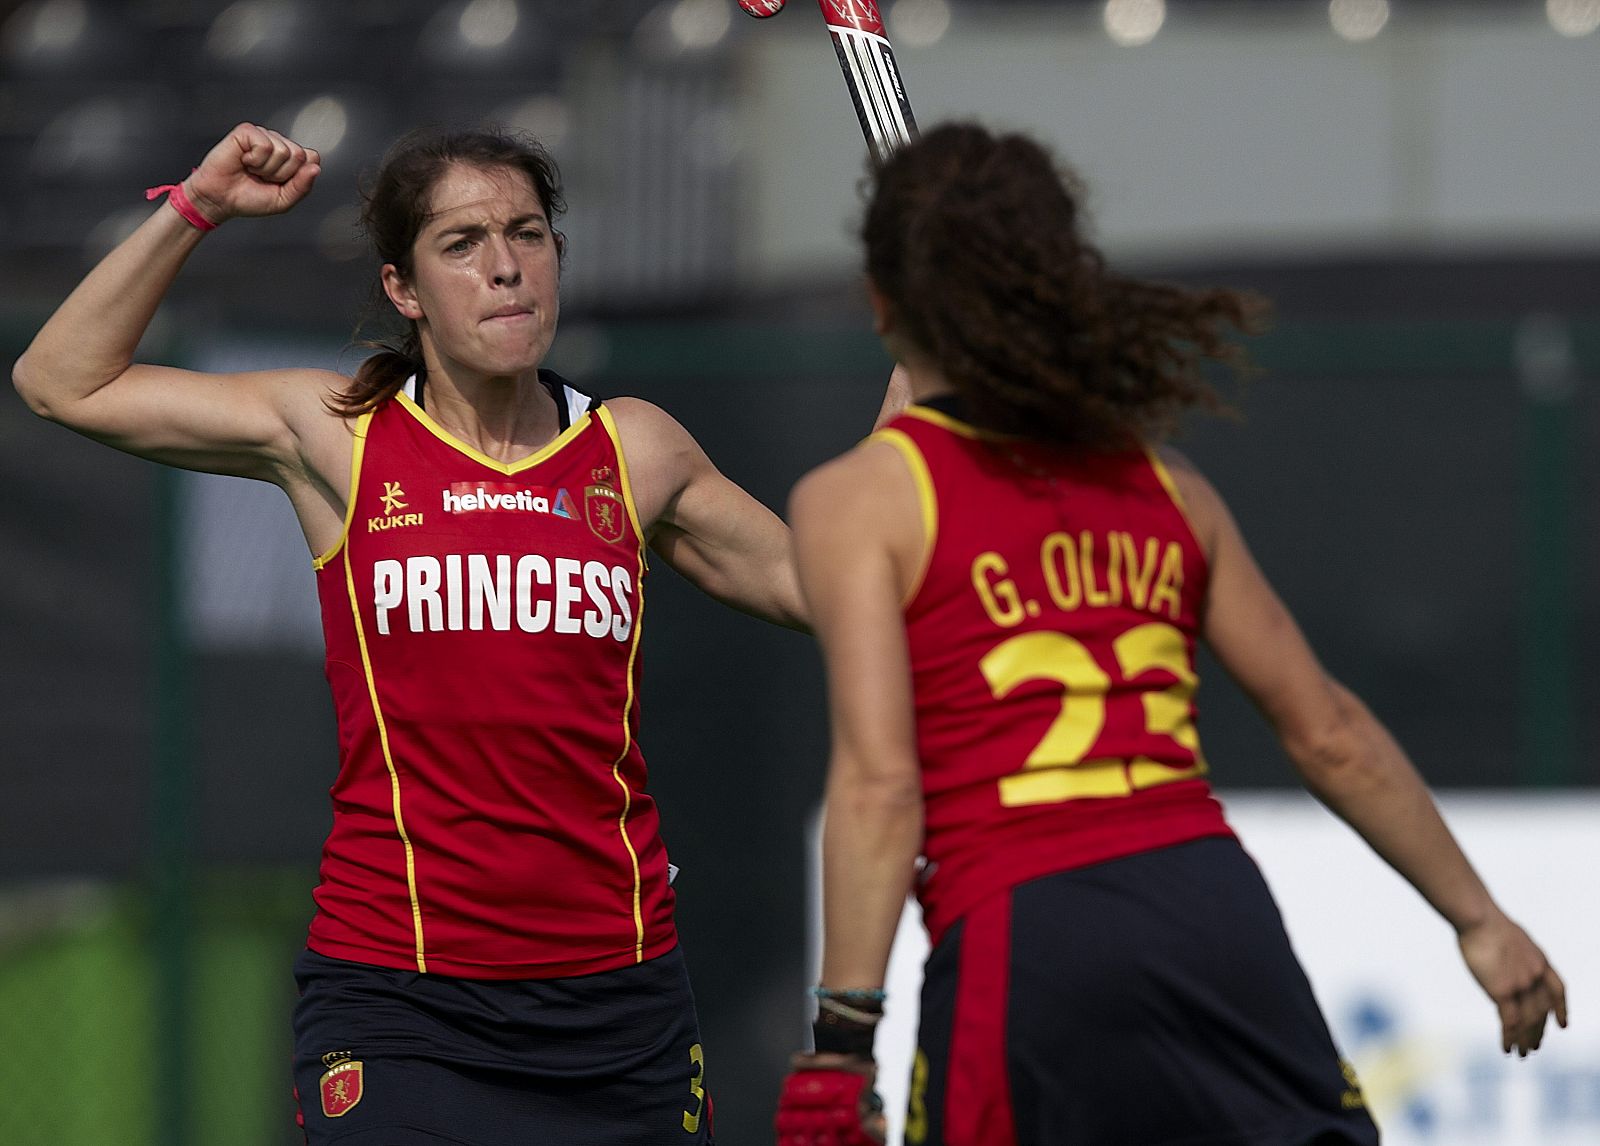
(1416, 468)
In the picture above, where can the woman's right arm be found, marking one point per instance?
(1350, 762)
(79, 369)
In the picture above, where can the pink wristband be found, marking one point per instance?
(181, 204)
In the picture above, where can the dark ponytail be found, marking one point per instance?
(974, 240)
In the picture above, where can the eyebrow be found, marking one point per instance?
(479, 228)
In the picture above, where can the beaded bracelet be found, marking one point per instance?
(858, 994)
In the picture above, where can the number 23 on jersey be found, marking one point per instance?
(1062, 765)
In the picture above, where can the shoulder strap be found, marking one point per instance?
(571, 403)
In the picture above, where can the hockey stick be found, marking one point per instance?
(869, 67)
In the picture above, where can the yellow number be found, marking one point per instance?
(697, 1087)
(1166, 713)
(1056, 769)
(917, 1108)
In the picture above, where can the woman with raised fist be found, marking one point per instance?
(493, 956)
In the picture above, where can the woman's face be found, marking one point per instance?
(485, 275)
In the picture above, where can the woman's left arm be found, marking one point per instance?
(722, 540)
(716, 535)
(858, 541)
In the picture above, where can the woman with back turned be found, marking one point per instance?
(493, 957)
(1009, 581)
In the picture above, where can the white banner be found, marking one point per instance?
(1422, 1035)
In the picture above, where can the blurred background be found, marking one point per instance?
(1414, 183)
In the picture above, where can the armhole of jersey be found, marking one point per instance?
(927, 500)
(1168, 483)
(358, 447)
(603, 415)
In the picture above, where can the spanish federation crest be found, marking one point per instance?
(341, 1086)
(603, 507)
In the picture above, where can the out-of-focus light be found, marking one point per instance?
(250, 26)
(545, 117)
(322, 124)
(49, 27)
(675, 27)
(919, 23)
(1573, 18)
(698, 24)
(488, 23)
(1358, 19)
(1546, 364)
(90, 137)
(1134, 22)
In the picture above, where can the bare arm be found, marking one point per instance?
(721, 539)
(857, 541)
(716, 535)
(79, 370)
(1350, 762)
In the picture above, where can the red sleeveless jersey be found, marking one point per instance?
(482, 623)
(1051, 636)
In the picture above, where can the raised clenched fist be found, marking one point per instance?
(252, 171)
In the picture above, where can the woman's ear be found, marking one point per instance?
(400, 292)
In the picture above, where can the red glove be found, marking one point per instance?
(823, 1104)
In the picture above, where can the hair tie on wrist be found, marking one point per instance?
(182, 205)
(849, 1014)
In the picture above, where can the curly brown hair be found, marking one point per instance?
(394, 211)
(974, 239)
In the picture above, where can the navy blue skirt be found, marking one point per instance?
(396, 1058)
(1146, 1001)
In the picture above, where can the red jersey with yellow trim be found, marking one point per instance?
(1051, 637)
(482, 623)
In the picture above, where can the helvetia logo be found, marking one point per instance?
(503, 497)
(394, 500)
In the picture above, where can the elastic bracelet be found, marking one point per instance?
(182, 205)
(858, 994)
(846, 1013)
